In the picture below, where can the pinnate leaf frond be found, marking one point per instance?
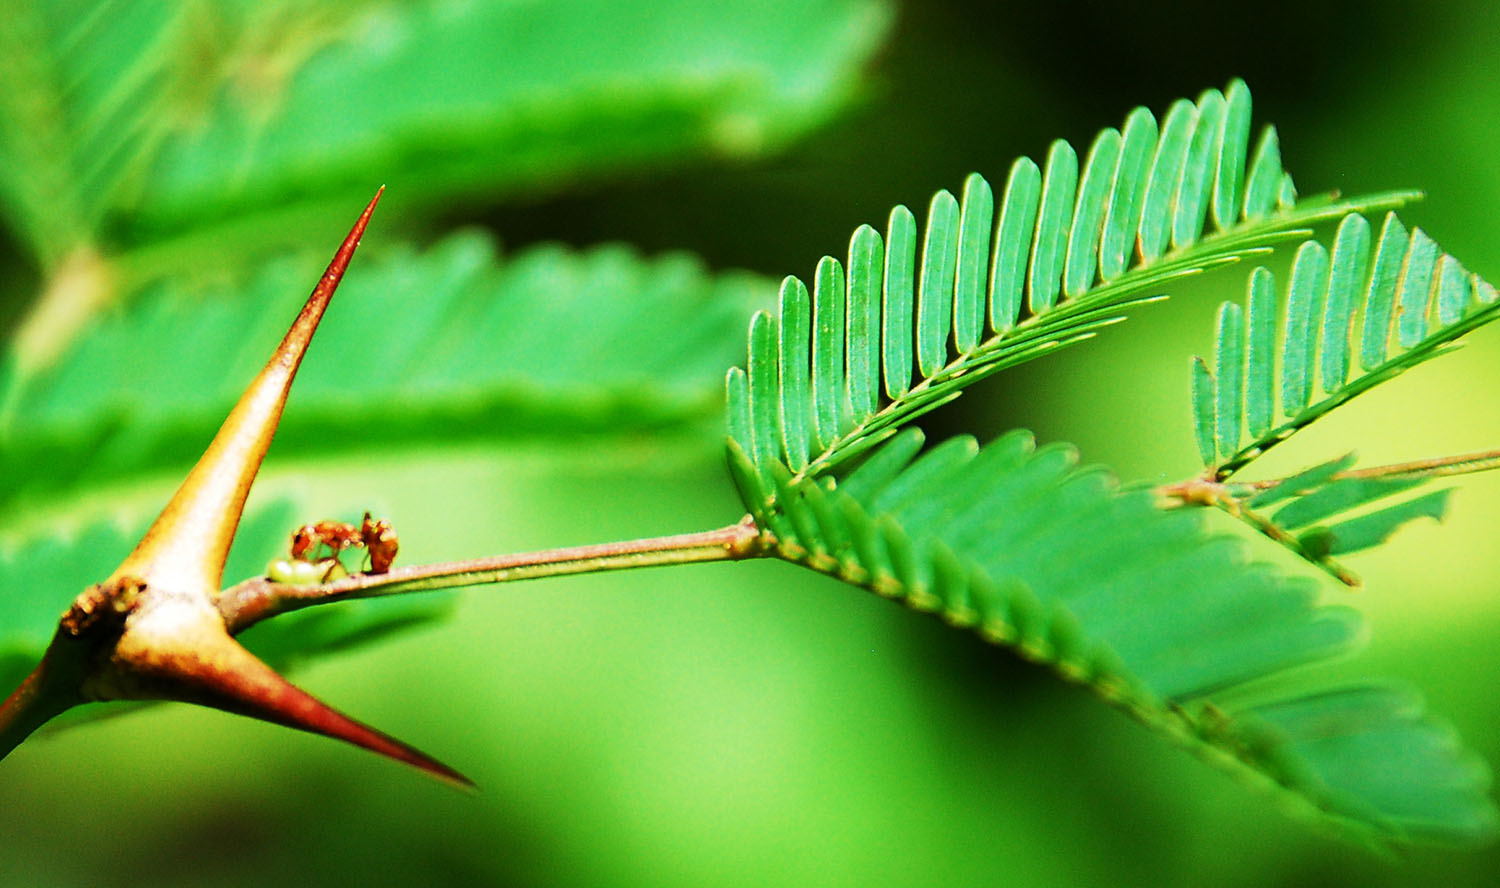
(1171, 624)
(435, 345)
(1387, 305)
(891, 333)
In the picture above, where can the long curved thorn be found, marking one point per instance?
(171, 642)
(202, 664)
(186, 546)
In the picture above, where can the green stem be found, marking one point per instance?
(245, 604)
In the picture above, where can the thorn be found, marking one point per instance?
(187, 545)
(151, 631)
(214, 670)
(177, 649)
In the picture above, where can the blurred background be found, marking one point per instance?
(704, 725)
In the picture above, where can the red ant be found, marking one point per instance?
(375, 536)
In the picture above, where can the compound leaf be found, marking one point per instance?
(1435, 302)
(1172, 624)
(1082, 245)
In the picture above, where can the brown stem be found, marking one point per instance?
(50, 690)
(1229, 496)
(1204, 490)
(245, 604)
(1461, 464)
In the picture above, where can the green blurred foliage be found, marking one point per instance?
(747, 725)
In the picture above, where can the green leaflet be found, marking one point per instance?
(1350, 263)
(1313, 508)
(1375, 528)
(896, 309)
(935, 299)
(1088, 217)
(129, 119)
(39, 577)
(792, 365)
(1300, 334)
(975, 218)
(1264, 184)
(1229, 181)
(866, 268)
(1338, 496)
(1164, 179)
(1230, 365)
(440, 345)
(1053, 227)
(1305, 480)
(1380, 294)
(1318, 497)
(1160, 618)
(1123, 219)
(1017, 217)
(1199, 168)
(1203, 408)
(828, 393)
(1081, 245)
(1412, 286)
(1260, 366)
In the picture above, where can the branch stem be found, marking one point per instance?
(1232, 497)
(1206, 490)
(245, 604)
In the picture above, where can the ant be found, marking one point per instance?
(374, 535)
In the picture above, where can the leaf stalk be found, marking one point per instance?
(247, 603)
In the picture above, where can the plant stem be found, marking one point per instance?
(245, 604)
(1436, 467)
(1203, 490)
(1231, 496)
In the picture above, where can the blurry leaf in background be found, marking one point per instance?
(450, 98)
(435, 347)
(192, 133)
(147, 120)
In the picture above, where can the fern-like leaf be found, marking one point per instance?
(1075, 245)
(1352, 302)
(1171, 624)
(469, 345)
(140, 125)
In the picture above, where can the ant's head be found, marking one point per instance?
(303, 540)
